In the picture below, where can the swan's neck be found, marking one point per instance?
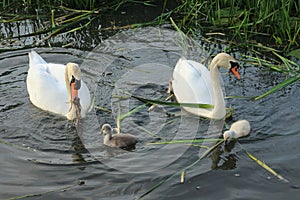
(107, 138)
(219, 110)
(68, 86)
(72, 111)
(231, 134)
(235, 134)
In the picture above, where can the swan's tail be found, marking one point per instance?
(35, 59)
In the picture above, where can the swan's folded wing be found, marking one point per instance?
(191, 83)
(46, 85)
(46, 92)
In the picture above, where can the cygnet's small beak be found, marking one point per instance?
(226, 141)
(226, 137)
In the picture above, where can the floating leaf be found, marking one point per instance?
(182, 176)
(192, 105)
(211, 149)
(188, 141)
(46, 192)
(102, 109)
(131, 112)
(266, 167)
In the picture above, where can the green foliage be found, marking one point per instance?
(245, 19)
(287, 82)
(42, 4)
(74, 4)
(278, 21)
(190, 105)
(295, 53)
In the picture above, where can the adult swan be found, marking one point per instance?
(54, 87)
(192, 82)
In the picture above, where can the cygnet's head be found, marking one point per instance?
(228, 135)
(106, 129)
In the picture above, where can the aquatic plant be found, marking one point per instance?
(276, 22)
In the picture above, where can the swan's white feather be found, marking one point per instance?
(241, 128)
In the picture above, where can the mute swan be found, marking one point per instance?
(54, 87)
(238, 129)
(193, 83)
(117, 140)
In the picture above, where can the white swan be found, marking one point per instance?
(238, 129)
(193, 83)
(53, 87)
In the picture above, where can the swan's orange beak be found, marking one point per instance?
(235, 72)
(75, 86)
(74, 91)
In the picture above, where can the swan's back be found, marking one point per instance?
(241, 128)
(192, 83)
(38, 66)
(123, 140)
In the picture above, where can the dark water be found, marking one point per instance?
(41, 153)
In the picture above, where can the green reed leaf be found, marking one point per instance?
(295, 53)
(191, 105)
(285, 83)
(188, 141)
(266, 167)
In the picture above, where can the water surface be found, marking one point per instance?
(41, 152)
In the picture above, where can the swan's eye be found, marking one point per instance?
(76, 82)
(234, 65)
(72, 80)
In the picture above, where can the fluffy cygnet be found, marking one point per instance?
(121, 140)
(238, 129)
